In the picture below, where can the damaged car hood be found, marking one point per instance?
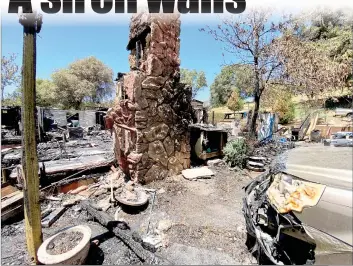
(332, 167)
(300, 211)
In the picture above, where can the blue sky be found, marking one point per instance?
(58, 46)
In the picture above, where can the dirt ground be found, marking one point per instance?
(203, 224)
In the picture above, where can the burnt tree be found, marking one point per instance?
(250, 38)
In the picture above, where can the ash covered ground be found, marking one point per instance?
(198, 222)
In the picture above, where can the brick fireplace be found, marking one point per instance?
(152, 110)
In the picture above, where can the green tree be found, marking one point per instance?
(331, 32)
(197, 80)
(84, 80)
(235, 102)
(9, 72)
(13, 99)
(231, 77)
(285, 108)
(279, 100)
(46, 93)
(222, 87)
(307, 69)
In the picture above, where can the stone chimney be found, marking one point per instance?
(151, 136)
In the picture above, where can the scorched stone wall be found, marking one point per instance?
(151, 124)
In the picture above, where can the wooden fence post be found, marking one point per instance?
(31, 23)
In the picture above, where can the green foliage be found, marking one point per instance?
(330, 32)
(279, 100)
(197, 80)
(235, 102)
(9, 72)
(286, 111)
(244, 79)
(84, 80)
(230, 78)
(13, 99)
(222, 87)
(235, 153)
(46, 93)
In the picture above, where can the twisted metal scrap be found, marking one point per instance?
(279, 163)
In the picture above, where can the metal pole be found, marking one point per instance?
(31, 23)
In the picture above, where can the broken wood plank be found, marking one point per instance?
(11, 199)
(78, 190)
(76, 164)
(10, 213)
(46, 212)
(7, 189)
(86, 193)
(74, 184)
(72, 201)
(53, 217)
(53, 198)
(11, 205)
(70, 180)
(3, 176)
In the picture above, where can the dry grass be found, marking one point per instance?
(220, 111)
(337, 93)
(302, 110)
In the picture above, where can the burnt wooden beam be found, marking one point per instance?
(53, 217)
(107, 221)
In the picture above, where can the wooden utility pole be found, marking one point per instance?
(31, 23)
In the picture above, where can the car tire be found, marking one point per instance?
(262, 259)
(250, 241)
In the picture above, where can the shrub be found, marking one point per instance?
(285, 110)
(235, 153)
(235, 102)
(279, 100)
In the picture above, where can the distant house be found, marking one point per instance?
(198, 106)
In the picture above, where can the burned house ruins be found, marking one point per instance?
(152, 109)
